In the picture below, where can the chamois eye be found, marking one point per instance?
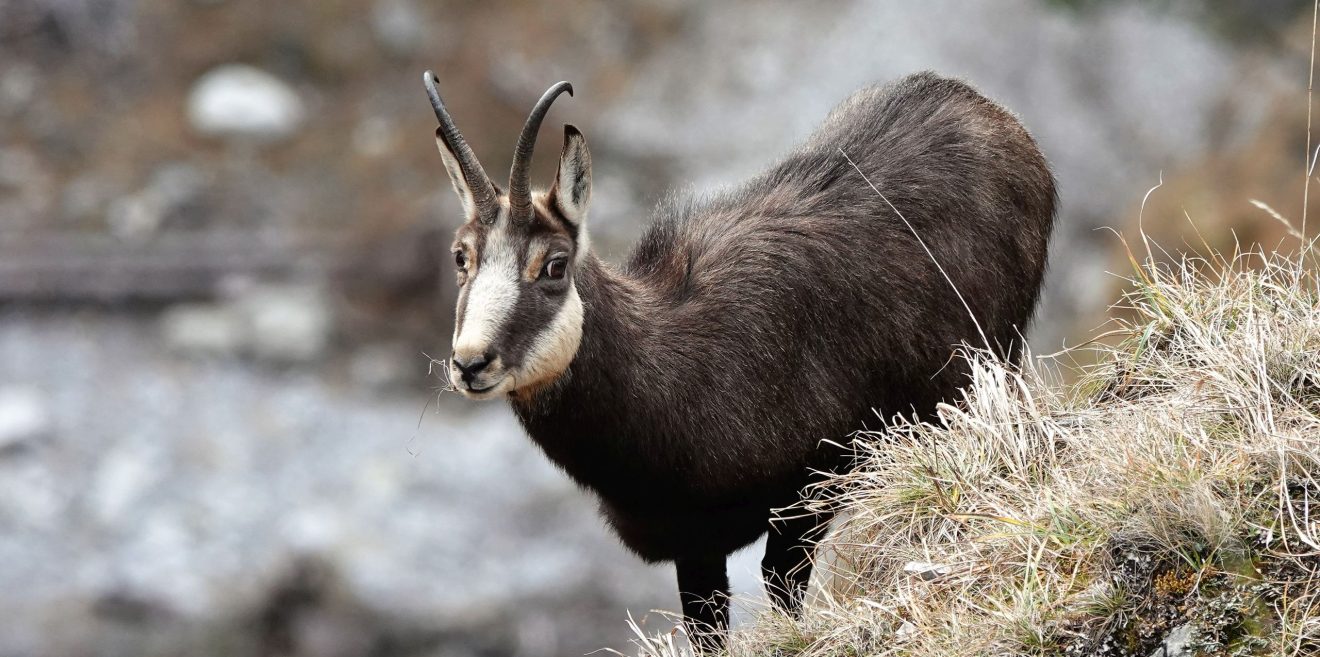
(460, 259)
(555, 269)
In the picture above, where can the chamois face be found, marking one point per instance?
(519, 316)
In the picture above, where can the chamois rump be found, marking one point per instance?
(722, 368)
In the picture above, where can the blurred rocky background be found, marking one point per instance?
(223, 229)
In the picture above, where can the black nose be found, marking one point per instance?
(472, 366)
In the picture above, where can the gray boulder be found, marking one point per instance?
(239, 101)
(1177, 644)
(24, 416)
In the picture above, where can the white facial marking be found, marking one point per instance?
(491, 295)
(556, 345)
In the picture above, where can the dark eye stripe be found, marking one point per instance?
(532, 315)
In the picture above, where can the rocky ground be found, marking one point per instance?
(163, 496)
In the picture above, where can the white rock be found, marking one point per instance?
(202, 328)
(1177, 644)
(124, 475)
(926, 570)
(236, 100)
(314, 528)
(24, 416)
(135, 216)
(286, 323)
(905, 631)
(169, 192)
(276, 322)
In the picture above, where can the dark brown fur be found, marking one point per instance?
(749, 328)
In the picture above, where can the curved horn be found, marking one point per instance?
(483, 191)
(520, 191)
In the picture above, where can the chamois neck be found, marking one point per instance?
(618, 325)
(591, 418)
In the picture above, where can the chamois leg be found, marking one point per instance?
(703, 586)
(786, 568)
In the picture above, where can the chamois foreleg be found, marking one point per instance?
(703, 587)
(786, 568)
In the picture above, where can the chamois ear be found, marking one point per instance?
(572, 189)
(461, 184)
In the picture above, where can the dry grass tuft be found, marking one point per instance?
(1172, 487)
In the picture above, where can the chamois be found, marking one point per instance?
(722, 369)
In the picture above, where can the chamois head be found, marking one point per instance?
(519, 316)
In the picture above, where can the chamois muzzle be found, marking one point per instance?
(471, 367)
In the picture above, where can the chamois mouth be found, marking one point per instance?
(481, 389)
(481, 393)
(491, 380)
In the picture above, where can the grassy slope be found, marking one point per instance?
(1172, 487)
